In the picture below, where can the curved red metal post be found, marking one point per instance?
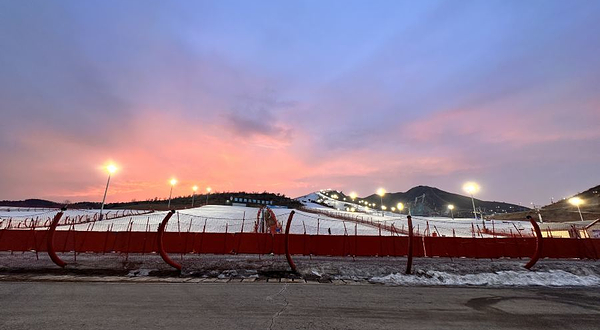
(538, 244)
(288, 256)
(50, 240)
(410, 245)
(161, 247)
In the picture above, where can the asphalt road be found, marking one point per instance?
(88, 305)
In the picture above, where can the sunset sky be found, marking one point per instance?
(295, 96)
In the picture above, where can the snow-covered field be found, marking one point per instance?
(216, 218)
(212, 218)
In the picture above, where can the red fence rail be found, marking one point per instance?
(299, 244)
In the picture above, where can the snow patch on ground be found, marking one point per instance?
(496, 279)
(139, 272)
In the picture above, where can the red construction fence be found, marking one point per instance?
(299, 244)
(322, 245)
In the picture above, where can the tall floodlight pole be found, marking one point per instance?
(111, 169)
(194, 189)
(451, 208)
(471, 188)
(577, 201)
(381, 193)
(173, 182)
(208, 190)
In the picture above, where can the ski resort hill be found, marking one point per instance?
(420, 200)
(563, 211)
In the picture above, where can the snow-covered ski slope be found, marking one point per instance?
(441, 226)
(211, 218)
(221, 218)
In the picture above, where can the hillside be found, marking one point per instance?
(563, 211)
(431, 201)
(179, 202)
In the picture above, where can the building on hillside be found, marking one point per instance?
(246, 201)
(593, 229)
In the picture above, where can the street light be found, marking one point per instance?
(471, 188)
(194, 189)
(111, 169)
(451, 208)
(353, 195)
(208, 189)
(381, 193)
(577, 201)
(400, 207)
(173, 182)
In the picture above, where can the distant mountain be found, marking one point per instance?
(41, 203)
(180, 202)
(431, 201)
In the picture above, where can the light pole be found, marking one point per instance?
(451, 208)
(381, 193)
(577, 201)
(208, 189)
(173, 182)
(194, 189)
(471, 188)
(110, 168)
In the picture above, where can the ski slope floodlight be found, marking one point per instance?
(208, 189)
(451, 207)
(400, 206)
(575, 201)
(381, 193)
(393, 209)
(111, 168)
(194, 189)
(471, 188)
(353, 195)
(173, 182)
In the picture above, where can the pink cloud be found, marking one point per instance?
(495, 127)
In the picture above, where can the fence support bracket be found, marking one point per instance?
(161, 247)
(288, 256)
(50, 240)
(538, 244)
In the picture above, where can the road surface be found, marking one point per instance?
(89, 305)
